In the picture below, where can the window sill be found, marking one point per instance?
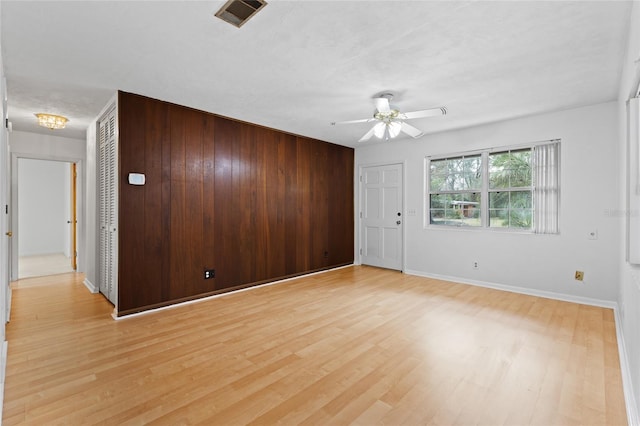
(481, 229)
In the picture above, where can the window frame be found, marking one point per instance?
(511, 189)
(461, 191)
(486, 190)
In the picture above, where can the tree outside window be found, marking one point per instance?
(510, 189)
(455, 191)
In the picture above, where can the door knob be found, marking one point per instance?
(398, 223)
(9, 234)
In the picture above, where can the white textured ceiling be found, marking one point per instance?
(299, 65)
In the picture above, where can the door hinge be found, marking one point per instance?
(360, 178)
(360, 215)
(360, 252)
(6, 209)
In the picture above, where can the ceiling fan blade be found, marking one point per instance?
(382, 104)
(410, 130)
(364, 120)
(424, 113)
(368, 135)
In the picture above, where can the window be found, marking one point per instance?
(506, 188)
(510, 189)
(455, 191)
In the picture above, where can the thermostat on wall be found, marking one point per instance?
(136, 179)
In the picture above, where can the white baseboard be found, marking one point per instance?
(627, 384)
(521, 290)
(92, 288)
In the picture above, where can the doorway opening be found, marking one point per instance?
(47, 217)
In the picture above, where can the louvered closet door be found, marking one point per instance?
(108, 243)
(102, 212)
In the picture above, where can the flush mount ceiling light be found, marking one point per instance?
(237, 12)
(52, 121)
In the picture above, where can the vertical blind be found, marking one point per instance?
(546, 182)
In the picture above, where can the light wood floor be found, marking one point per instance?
(357, 345)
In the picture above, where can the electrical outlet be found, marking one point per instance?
(209, 273)
(475, 265)
(579, 275)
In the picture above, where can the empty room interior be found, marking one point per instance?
(321, 212)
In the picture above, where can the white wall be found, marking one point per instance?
(629, 293)
(48, 147)
(5, 294)
(540, 263)
(43, 207)
(67, 211)
(91, 269)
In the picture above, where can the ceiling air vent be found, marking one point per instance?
(237, 12)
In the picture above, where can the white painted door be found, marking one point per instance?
(381, 216)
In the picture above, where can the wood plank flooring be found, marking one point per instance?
(358, 345)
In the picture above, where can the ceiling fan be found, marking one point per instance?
(390, 121)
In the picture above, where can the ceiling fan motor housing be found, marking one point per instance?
(387, 116)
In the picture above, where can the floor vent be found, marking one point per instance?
(237, 12)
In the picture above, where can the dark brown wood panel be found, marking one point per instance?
(320, 226)
(132, 247)
(208, 190)
(226, 224)
(187, 204)
(303, 205)
(244, 179)
(156, 235)
(292, 211)
(253, 203)
(270, 206)
(341, 205)
(179, 240)
(165, 211)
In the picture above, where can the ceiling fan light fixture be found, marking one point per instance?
(394, 129)
(387, 130)
(51, 121)
(379, 130)
(391, 121)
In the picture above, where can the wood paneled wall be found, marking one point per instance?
(253, 203)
